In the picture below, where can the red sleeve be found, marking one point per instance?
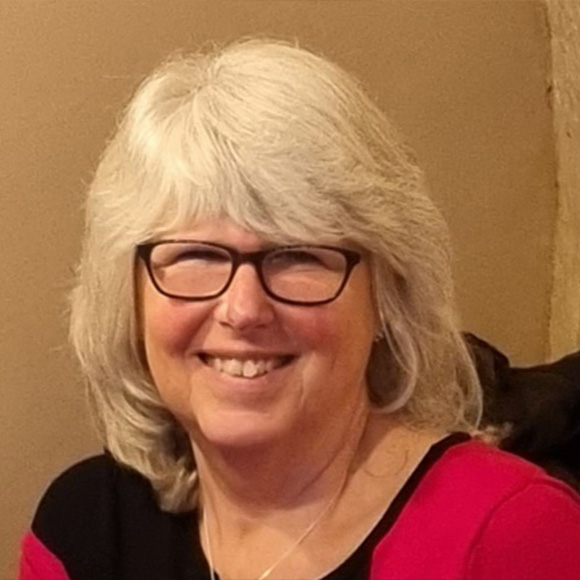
(532, 535)
(37, 562)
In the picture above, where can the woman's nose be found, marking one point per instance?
(245, 304)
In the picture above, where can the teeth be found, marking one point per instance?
(248, 369)
(232, 367)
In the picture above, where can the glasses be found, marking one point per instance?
(302, 275)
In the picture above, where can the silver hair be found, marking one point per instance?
(288, 145)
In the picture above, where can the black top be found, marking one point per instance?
(102, 521)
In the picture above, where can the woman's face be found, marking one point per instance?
(315, 356)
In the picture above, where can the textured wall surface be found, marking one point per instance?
(564, 17)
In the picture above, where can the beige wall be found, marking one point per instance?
(564, 18)
(466, 81)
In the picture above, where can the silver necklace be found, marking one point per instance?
(291, 549)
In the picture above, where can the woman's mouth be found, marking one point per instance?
(246, 367)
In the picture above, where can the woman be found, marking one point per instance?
(264, 313)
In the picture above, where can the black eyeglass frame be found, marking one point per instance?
(145, 250)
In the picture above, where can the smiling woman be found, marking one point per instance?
(265, 317)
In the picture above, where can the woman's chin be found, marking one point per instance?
(241, 430)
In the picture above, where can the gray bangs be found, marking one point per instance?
(286, 198)
(251, 151)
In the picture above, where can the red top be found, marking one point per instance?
(481, 514)
(468, 512)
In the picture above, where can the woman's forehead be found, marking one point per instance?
(223, 228)
(220, 229)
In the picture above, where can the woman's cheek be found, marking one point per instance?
(172, 325)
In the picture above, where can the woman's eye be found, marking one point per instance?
(304, 257)
(196, 256)
(296, 258)
(193, 255)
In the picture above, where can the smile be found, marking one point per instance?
(247, 368)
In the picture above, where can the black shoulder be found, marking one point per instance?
(80, 489)
(102, 521)
(77, 518)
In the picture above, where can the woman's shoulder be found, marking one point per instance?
(82, 476)
(477, 505)
(475, 477)
(481, 455)
(474, 463)
(71, 519)
(90, 487)
(520, 520)
(100, 519)
(82, 514)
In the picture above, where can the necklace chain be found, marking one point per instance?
(266, 573)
